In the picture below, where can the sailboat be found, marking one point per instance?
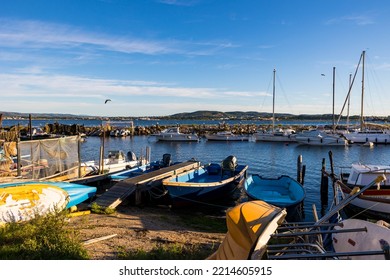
(364, 134)
(278, 135)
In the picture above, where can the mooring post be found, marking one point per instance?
(324, 184)
(30, 126)
(332, 174)
(19, 156)
(299, 169)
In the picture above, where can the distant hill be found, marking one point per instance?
(43, 115)
(206, 115)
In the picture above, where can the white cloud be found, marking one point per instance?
(357, 19)
(43, 35)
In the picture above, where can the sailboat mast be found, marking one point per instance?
(349, 100)
(361, 105)
(273, 104)
(334, 121)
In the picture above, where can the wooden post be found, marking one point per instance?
(333, 176)
(19, 156)
(147, 155)
(324, 185)
(30, 125)
(101, 159)
(79, 153)
(299, 169)
(132, 128)
(101, 166)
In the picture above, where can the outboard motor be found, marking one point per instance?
(131, 156)
(166, 160)
(229, 165)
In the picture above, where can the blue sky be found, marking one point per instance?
(160, 57)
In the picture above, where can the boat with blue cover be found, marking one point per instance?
(208, 184)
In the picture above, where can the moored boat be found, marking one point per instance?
(278, 135)
(284, 192)
(173, 134)
(210, 183)
(373, 203)
(115, 161)
(226, 136)
(318, 137)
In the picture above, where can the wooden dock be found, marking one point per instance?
(121, 190)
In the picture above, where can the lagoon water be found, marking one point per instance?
(266, 159)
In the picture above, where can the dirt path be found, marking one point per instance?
(139, 228)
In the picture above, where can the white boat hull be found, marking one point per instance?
(214, 137)
(274, 138)
(177, 138)
(320, 138)
(368, 240)
(377, 138)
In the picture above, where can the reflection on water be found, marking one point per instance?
(266, 159)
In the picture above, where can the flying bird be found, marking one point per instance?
(107, 101)
(322, 74)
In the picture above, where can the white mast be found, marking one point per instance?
(349, 101)
(362, 103)
(334, 121)
(273, 104)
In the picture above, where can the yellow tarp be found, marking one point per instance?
(246, 223)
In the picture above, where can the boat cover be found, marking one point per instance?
(246, 223)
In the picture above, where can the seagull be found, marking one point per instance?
(107, 101)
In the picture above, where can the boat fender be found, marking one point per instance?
(355, 190)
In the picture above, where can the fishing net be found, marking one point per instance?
(55, 159)
(50, 158)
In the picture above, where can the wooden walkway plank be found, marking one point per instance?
(121, 190)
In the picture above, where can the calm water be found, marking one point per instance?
(267, 159)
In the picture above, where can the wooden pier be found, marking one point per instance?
(121, 190)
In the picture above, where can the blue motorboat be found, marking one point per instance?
(208, 184)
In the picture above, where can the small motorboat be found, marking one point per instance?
(284, 192)
(206, 184)
(226, 136)
(173, 134)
